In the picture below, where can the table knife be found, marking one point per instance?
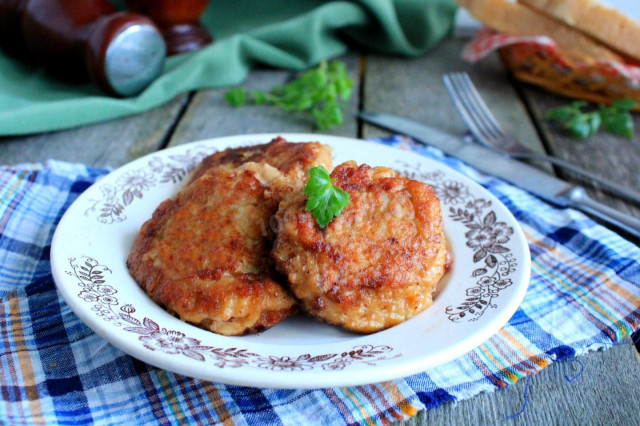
(544, 185)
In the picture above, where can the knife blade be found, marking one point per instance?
(544, 185)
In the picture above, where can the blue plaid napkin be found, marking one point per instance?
(584, 295)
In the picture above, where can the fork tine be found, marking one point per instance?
(470, 117)
(475, 108)
(457, 99)
(479, 103)
(472, 108)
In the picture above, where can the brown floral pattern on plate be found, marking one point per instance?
(92, 278)
(132, 185)
(486, 237)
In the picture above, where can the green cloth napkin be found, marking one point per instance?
(285, 34)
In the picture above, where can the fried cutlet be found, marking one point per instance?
(377, 263)
(292, 159)
(204, 255)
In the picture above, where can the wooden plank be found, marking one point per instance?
(106, 144)
(419, 93)
(209, 115)
(599, 388)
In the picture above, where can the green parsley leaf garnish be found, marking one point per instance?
(237, 97)
(616, 118)
(321, 91)
(326, 200)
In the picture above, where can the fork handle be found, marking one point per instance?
(578, 198)
(611, 187)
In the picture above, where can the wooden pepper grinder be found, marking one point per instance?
(179, 21)
(121, 52)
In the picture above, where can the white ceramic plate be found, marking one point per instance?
(482, 290)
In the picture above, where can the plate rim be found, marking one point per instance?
(300, 380)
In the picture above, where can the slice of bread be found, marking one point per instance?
(517, 19)
(602, 22)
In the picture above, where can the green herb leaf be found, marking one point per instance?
(259, 97)
(620, 124)
(594, 121)
(237, 97)
(585, 125)
(616, 118)
(321, 92)
(625, 104)
(560, 114)
(325, 201)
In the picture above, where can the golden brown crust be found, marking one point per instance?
(293, 159)
(205, 254)
(377, 263)
(228, 304)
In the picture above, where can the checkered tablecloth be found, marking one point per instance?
(584, 295)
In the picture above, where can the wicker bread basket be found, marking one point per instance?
(569, 73)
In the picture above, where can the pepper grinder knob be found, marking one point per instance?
(125, 53)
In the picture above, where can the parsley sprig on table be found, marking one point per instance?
(326, 200)
(615, 118)
(321, 91)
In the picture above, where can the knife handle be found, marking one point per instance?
(579, 199)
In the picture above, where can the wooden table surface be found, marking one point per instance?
(608, 389)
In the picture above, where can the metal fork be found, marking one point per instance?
(487, 131)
